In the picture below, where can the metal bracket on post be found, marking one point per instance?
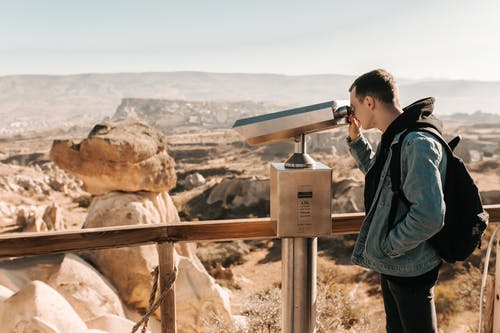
(300, 159)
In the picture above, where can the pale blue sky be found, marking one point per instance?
(413, 39)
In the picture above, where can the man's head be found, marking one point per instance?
(375, 90)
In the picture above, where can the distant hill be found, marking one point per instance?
(41, 101)
(477, 117)
(178, 116)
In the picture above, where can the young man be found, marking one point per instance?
(399, 250)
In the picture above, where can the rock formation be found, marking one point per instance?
(240, 192)
(39, 308)
(84, 288)
(231, 198)
(194, 180)
(111, 323)
(347, 196)
(127, 166)
(198, 298)
(121, 156)
(129, 268)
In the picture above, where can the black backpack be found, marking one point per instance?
(465, 219)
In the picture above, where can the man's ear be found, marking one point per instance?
(369, 102)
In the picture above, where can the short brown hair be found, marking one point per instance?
(378, 83)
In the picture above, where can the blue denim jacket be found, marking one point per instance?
(403, 251)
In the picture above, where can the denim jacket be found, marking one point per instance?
(403, 251)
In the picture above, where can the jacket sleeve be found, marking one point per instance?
(422, 158)
(362, 152)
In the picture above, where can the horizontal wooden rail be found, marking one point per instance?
(24, 244)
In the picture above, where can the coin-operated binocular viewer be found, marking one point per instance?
(300, 201)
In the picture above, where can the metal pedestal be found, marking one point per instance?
(298, 289)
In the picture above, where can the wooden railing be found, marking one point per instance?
(27, 244)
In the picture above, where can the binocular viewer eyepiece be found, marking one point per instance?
(341, 112)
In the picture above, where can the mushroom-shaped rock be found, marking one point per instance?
(120, 156)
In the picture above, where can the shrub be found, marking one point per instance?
(264, 311)
(447, 302)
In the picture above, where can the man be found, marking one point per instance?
(398, 249)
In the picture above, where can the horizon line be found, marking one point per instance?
(240, 73)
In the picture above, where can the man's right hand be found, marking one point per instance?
(354, 128)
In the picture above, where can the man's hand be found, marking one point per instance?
(354, 128)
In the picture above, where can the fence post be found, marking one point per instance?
(496, 304)
(166, 262)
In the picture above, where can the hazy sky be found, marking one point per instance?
(413, 39)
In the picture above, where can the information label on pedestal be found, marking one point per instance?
(304, 206)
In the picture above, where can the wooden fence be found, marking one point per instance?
(27, 244)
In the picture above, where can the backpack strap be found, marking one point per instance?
(447, 147)
(395, 172)
(395, 168)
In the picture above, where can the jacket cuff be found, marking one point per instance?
(352, 142)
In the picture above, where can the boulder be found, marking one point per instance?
(52, 217)
(85, 289)
(57, 184)
(30, 218)
(121, 156)
(34, 218)
(240, 192)
(5, 293)
(116, 208)
(132, 277)
(112, 323)
(154, 324)
(194, 180)
(39, 308)
(232, 198)
(36, 325)
(347, 196)
(89, 293)
(198, 297)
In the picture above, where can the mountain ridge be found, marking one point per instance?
(37, 101)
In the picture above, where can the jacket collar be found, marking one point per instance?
(419, 112)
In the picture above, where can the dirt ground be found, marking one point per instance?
(261, 269)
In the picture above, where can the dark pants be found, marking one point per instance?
(409, 308)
